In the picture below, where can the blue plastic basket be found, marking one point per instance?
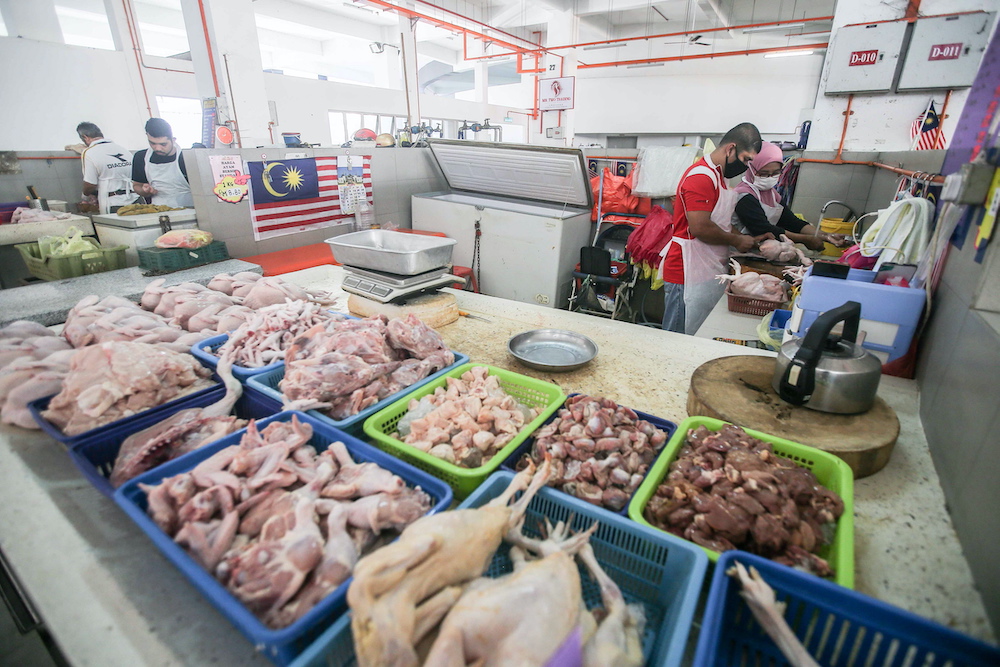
(39, 405)
(281, 646)
(204, 352)
(836, 625)
(264, 388)
(657, 570)
(510, 463)
(95, 458)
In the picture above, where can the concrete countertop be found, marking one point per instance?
(32, 231)
(109, 597)
(47, 303)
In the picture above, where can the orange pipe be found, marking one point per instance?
(135, 44)
(135, 52)
(912, 9)
(944, 109)
(485, 25)
(843, 132)
(937, 178)
(723, 54)
(208, 46)
(910, 20)
(687, 32)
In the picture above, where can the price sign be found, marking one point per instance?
(231, 184)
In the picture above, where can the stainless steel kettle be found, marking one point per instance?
(826, 372)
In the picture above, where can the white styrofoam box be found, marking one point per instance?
(945, 51)
(865, 58)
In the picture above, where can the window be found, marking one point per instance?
(343, 125)
(3, 28)
(85, 23)
(161, 26)
(184, 116)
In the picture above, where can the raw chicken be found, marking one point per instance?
(395, 591)
(783, 250)
(618, 639)
(754, 285)
(266, 334)
(109, 381)
(27, 379)
(184, 238)
(94, 320)
(518, 619)
(260, 518)
(182, 432)
(269, 291)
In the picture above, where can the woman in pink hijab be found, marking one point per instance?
(759, 209)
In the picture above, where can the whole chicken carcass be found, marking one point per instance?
(396, 588)
(783, 250)
(754, 285)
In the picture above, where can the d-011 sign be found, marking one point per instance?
(945, 52)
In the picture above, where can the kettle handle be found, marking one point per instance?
(799, 379)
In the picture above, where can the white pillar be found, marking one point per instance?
(562, 29)
(32, 19)
(482, 81)
(239, 73)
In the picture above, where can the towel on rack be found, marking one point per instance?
(900, 232)
(661, 168)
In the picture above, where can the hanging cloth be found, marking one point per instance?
(900, 232)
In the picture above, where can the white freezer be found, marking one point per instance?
(533, 206)
(139, 231)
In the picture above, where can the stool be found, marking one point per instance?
(465, 272)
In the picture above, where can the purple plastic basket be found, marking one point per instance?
(281, 646)
(39, 405)
(95, 458)
(668, 427)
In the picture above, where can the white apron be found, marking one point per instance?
(171, 186)
(703, 261)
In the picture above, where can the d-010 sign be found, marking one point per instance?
(863, 58)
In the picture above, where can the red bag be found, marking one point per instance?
(616, 197)
(854, 259)
(646, 242)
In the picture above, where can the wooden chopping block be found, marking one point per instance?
(434, 310)
(761, 266)
(738, 390)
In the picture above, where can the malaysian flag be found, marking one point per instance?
(290, 196)
(926, 131)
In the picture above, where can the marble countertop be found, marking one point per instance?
(47, 303)
(109, 597)
(32, 231)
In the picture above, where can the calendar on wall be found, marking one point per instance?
(350, 182)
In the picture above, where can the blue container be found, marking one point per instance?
(835, 624)
(281, 646)
(661, 572)
(889, 314)
(95, 458)
(39, 405)
(203, 352)
(664, 425)
(264, 390)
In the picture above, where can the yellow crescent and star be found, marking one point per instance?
(292, 179)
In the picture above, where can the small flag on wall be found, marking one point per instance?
(926, 131)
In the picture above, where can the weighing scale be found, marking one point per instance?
(385, 287)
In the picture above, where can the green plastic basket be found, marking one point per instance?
(175, 259)
(544, 396)
(830, 471)
(75, 265)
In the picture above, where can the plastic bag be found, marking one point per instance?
(616, 196)
(184, 238)
(70, 243)
(661, 168)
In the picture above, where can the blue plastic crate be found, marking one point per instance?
(95, 458)
(835, 624)
(39, 405)
(659, 571)
(281, 646)
(264, 388)
(510, 463)
(204, 352)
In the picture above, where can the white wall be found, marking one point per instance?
(881, 122)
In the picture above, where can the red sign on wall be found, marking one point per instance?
(945, 52)
(863, 58)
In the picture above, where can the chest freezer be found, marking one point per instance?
(520, 213)
(139, 231)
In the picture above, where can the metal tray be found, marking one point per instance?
(554, 350)
(393, 252)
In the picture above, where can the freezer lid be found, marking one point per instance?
(145, 219)
(538, 173)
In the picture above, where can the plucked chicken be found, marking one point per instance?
(27, 379)
(783, 250)
(754, 285)
(95, 320)
(110, 381)
(263, 338)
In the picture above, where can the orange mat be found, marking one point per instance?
(294, 259)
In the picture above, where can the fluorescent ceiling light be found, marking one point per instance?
(788, 54)
(766, 28)
(601, 46)
(645, 65)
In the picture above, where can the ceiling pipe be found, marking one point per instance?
(723, 54)
(472, 20)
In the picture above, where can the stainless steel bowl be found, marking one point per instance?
(393, 252)
(555, 350)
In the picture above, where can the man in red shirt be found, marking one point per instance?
(702, 232)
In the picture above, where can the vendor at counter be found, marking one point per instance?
(159, 172)
(759, 209)
(107, 169)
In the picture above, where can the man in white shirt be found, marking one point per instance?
(159, 172)
(107, 169)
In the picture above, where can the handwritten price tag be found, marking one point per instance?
(232, 189)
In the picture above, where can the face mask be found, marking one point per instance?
(734, 168)
(765, 183)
